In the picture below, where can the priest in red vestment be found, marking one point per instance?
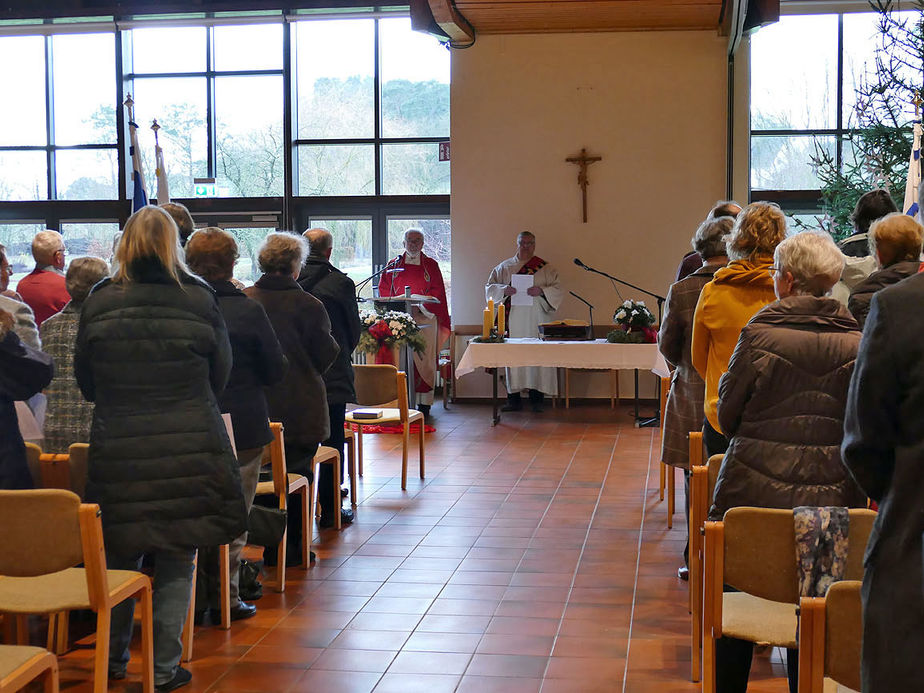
(420, 273)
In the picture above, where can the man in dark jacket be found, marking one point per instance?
(23, 372)
(895, 242)
(884, 450)
(338, 294)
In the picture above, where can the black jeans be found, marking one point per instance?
(714, 442)
(733, 665)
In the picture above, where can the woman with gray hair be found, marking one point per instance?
(782, 404)
(684, 412)
(299, 400)
(69, 415)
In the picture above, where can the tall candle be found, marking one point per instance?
(491, 306)
(501, 319)
(486, 324)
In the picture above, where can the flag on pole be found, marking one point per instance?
(914, 174)
(163, 191)
(139, 196)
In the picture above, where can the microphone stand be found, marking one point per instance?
(362, 284)
(639, 422)
(659, 299)
(591, 312)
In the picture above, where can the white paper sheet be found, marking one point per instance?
(521, 282)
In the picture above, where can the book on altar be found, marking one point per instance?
(367, 413)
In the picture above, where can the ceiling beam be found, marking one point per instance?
(452, 22)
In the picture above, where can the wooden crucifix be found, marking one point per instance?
(583, 161)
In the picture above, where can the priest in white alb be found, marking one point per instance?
(524, 316)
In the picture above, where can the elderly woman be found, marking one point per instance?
(153, 353)
(299, 401)
(258, 362)
(684, 411)
(732, 298)
(23, 317)
(782, 404)
(895, 241)
(68, 416)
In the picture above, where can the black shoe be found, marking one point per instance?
(116, 674)
(180, 678)
(424, 409)
(514, 403)
(683, 573)
(537, 407)
(327, 521)
(242, 611)
(344, 492)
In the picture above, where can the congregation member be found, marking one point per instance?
(545, 296)
(43, 289)
(420, 274)
(24, 371)
(183, 219)
(782, 404)
(257, 363)
(883, 448)
(895, 243)
(859, 264)
(299, 400)
(725, 305)
(23, 318)
(68, 415)
(684, 410)
(153, 353)
(691, 262)
(338, 294)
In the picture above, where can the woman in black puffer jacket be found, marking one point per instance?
(153, 353)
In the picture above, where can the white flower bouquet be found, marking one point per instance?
(389, 329)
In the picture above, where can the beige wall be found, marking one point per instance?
(651, 104)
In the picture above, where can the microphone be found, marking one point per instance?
(580, 264)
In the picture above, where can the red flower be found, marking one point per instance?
(380, 331)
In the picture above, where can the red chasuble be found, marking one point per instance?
(424, 279)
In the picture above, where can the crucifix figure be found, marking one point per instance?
(583, 161)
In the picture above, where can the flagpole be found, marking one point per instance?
(163, 193)
(139, 196)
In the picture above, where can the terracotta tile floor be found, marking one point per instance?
(534, 557)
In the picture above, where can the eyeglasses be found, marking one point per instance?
(773, 270)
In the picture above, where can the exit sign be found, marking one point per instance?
(204, 187)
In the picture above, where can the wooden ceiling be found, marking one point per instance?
(547, 16)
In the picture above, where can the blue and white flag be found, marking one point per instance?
(914, 175)
(139, 196)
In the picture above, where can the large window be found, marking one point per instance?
(315, 119)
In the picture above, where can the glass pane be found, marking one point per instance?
(17, 238)
(437, 242)
(352, 251)
(168, 49)
(23, 124)
(179, 106)
(84, 108)
(414, 169)
(89, 238)
(415, 82)
(335, 62)
(795, 89)
(23, 176)
(861, 38)
(785, 163)
(249, 47)
(249, 136)
(336, 169)
(248, 240)
(87, 174)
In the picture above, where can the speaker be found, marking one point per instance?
(761, 13)
(422, 20)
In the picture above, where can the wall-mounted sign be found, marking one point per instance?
(444, 151)
(204, 187)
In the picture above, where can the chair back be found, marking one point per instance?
(760, 551)
(33, 457)
(79, 461)
(376, 385)
(274, 454)
(844, 633)
(41, 532)
(695, 439)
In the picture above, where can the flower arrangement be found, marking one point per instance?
(384, 330)
(635, 322)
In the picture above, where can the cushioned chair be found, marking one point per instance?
(384, 387)
(754, 551)
(702, 485)
(46, 533)
(830, 639)
(20, 665)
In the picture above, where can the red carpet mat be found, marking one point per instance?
(394, 428)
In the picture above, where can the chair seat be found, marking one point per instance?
(62, 591)
(295, 481)
(832, 686)
(325, 455)
(14, 656)
(388, 416)
(747, 617)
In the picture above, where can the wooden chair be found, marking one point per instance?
(754, 551)
(830, 639)
(331, 456)
(349, 444)
(46, 533)
(20, 665)
(702, 485)
(384, 387)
